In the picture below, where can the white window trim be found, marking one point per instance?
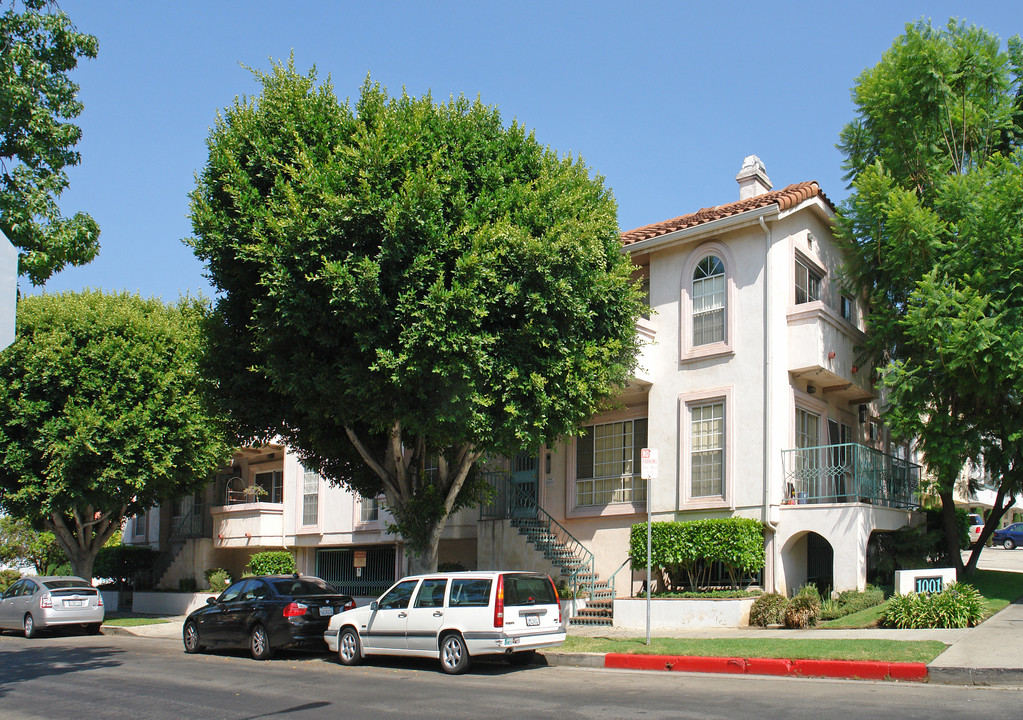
(611, 509)
(687, 351)
(301, 504)
(693, 399)
(362, 525)
(803, 401)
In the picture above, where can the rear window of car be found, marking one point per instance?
(469, 592)
(528, 590)
(64, 584)
(303, 586)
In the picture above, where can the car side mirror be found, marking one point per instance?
(211, 601)
(374, 605)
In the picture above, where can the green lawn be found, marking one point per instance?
(884, 650)
(133, 621)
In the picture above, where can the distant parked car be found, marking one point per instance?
(266, 613)
(1009, 537)
(453, 617)
(976, 527)
(39, 603)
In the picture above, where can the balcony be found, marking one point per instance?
(849, 473)
(822, 349)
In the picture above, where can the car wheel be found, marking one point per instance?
(349, 651)
(93, 628)
(523, 657)
(259, 644)
(191, 637)
(29, 625)
(1009, 544)
(454, 657)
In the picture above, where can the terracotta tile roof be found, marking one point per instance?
(785, 198)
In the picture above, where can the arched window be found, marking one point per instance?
(709, 301)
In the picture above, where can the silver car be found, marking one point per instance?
(37, 603)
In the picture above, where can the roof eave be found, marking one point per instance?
(713, 227)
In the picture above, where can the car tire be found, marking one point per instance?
(190, 635)
(259, 644)
(1009, 544)
(349, 649)
(523, 657)
(454, 656)
(93, 628)
(29, 626)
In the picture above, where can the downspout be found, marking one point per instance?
(769, 524)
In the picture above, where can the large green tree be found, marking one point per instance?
(934, 226)
(406, 287)
(103, 414)
(39, 46)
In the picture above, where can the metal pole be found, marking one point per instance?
(649, 588)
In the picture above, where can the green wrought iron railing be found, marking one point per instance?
(849, 473)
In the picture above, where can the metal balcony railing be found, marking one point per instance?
(849, 473)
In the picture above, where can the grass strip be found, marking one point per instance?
(817, 649)
(134, 621)
(999, 588)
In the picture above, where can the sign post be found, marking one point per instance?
(648, 472)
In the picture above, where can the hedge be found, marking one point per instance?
(691, 547)
(273, 562)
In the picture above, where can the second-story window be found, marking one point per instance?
(709, 301)
(310, 497)
(272, 486)
(370, 509)
(808, 283)
(607, 463)
(847, 308)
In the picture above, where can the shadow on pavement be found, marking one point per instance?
(34, 659)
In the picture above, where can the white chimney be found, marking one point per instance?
(752, 178)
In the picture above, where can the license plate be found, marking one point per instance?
(73, 603)
(532, 620)
(325, 611)
(511, 641)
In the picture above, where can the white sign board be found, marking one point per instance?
(648, 463)
(930, 580)
(8, 290)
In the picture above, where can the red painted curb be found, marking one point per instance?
(849, 669)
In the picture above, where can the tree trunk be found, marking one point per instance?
(951, 528)
(82, 540)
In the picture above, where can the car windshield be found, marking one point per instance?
(64, 584)
(303, 586)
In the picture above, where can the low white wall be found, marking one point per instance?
(905, 580)
(682, 612)
(111, 600)
(165, 603)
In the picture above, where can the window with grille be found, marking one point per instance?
(707, 453)
(808, 283)
(709, 301)
(310, 497)
(607, 463)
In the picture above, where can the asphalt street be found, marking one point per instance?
(117, 676)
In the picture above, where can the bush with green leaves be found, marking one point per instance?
(124, 564)
(273, 562)
(768, 609)
(686, 550)
(217, 579)
(957, 606)
(851, 601)
(8, 576)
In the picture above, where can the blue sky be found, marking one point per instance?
(662, 99)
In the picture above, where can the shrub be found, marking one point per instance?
(124, 564)
(957, 606)
(804, 609)
(274, 562)
(8, 577)
(217, 579)
(450, 567)
(687, 550)
(851, 601)
(768, 609)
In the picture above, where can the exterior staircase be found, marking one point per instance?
(576, 567)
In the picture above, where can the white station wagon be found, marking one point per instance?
(453, 617)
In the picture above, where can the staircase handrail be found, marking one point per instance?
(526, 501)
(175, 541)
(614, 576)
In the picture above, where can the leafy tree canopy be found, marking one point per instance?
(406, 286)
(934, 228)
(22, 545)
(102, 414)
(39, 46)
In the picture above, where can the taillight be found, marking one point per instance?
(350, 605)
(556, 598)
(45, 601)
(499, 603)
(99, 599)
(295, 609)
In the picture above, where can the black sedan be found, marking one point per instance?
(265, 613)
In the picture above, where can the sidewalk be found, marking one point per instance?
(989, 654)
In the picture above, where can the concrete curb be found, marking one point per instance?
(842, 669)
(1012, 677)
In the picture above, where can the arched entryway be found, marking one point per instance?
(809, 559)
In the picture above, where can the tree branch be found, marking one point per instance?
(371, 461)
